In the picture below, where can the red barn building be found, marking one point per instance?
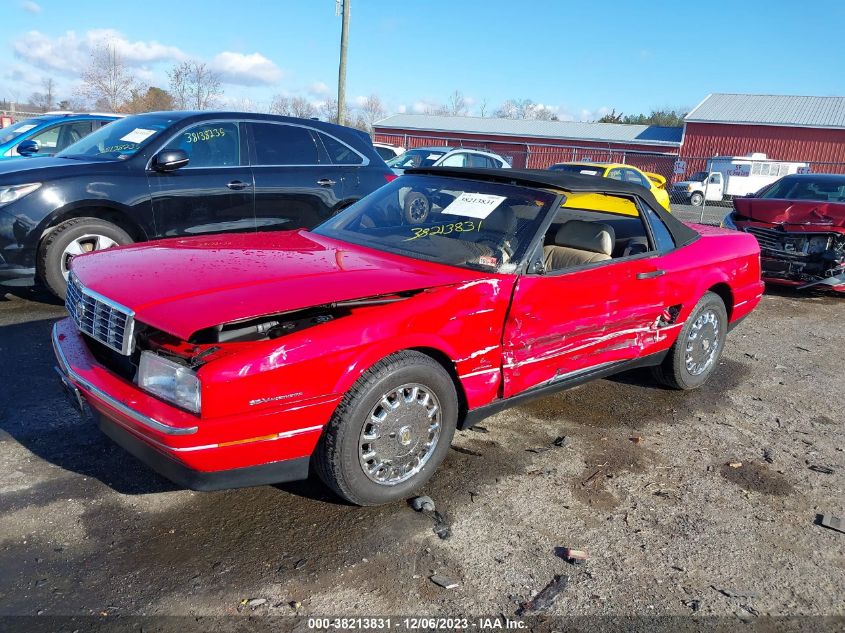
(537, 144)
(793, 128)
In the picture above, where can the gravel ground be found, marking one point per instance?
(641, 482)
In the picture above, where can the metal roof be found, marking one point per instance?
(578, 130)
(786, 110)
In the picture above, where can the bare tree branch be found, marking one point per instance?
(194, 86)
(107, 80)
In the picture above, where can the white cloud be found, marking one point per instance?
(70, 52)
(31, 7)
(423, 106)
(401, 108)
(360, 100)
(246, 70)
(318, 88)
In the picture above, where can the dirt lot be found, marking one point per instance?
(641, 482)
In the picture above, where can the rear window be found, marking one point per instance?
(280, 144)
(340, 153)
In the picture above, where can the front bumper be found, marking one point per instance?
(801, 259)
(180, 446)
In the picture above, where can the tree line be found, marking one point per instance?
(108, 83)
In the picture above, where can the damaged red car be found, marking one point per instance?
(799, 222)
(357, 348)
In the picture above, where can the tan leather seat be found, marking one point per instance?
(578, 242)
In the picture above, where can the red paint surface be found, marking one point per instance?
(778, 143)
(501, 334)
(807, 215)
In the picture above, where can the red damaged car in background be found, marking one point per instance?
(360, 346)
(799, 221)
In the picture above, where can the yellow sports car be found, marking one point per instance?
(619, 171)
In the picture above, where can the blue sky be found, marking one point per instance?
(578, 58)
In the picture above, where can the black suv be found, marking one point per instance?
(170, 174)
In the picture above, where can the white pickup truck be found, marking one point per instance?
(729, 177)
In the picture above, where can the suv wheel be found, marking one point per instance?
(390, 432)
(698, 348)
(71, 238)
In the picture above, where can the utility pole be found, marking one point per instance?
(341, 75)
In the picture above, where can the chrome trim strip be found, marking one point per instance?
(112, 402)
(188, 449)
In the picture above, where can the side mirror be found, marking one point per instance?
(28, 148)
(170, 160)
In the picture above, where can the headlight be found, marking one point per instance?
(169, 381)
(728, 222)
(16, 192)
(689, 187)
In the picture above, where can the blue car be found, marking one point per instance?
(48, 134)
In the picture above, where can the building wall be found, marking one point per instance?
(535, 153)
(779, 143)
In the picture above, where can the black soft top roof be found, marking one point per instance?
(568, 181)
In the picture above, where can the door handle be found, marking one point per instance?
(237, 185)
(326, 182)
(651, 274)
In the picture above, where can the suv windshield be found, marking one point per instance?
(471, 224)
(16, 129)
(824, 189)
(120, 139)
(416, 158)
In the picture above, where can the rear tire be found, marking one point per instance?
(381, 444)
(698, 348)
(70, 238)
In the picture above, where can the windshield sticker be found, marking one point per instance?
(474, 205)
(445, 229)
(488, 260)
(138, 135)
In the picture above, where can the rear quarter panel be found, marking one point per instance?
(720, 256)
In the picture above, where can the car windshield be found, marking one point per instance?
(16, 129)
(830, 189)
(587, 170)
(471, 224)
(699, 176)
(120, 139)
(416, 158)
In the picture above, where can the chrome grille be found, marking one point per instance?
(100, 318)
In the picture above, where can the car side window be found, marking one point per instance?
(72, 132)
(212, 144)
(48, 139)
(591, 229)
(341, 154)
(282, 144)
(637, 179)
(664, 242)
(616, 174)
(477, 160)
(455, 160)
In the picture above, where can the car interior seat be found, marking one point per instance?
(579, 242)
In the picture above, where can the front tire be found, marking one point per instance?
(696, 199)
(75, 237)
(698, 348)
(390, 432)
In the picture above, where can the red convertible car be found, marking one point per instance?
(799, 221)
(360, 346)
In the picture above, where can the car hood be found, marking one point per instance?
(800, 212)
(181, 286)
(27, 164)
